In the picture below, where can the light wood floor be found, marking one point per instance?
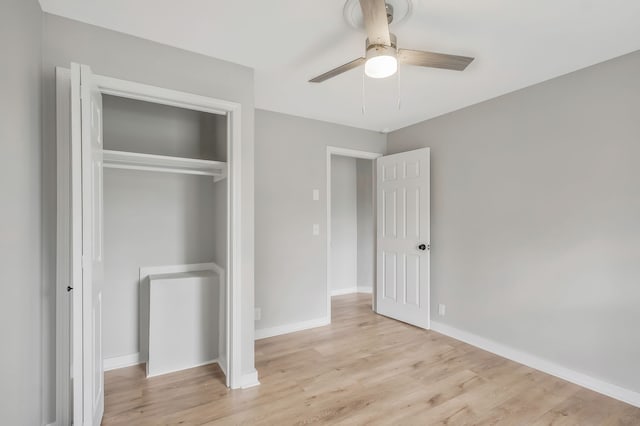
(362, 369)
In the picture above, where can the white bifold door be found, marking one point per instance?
(87, 247)
(403, 237)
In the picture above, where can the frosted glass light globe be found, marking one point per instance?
(381, 66)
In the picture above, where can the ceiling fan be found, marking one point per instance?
(382, 54)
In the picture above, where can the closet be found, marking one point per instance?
(164, 211)
(148, 234)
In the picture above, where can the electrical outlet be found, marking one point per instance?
(257, 315)
(316, 229)
(316, 194)
(442, 310)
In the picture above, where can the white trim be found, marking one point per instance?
(354, 153)
(222, 319)
(345, 152)
(264, 333)
(63, 245)
(222, 363)
(546, 366)
(123, 361)
(76, 259)
(351, 290)
(200, 364)
(249, 380)
(159, 95)
(342, 291)
(234, 250)
(52, 424)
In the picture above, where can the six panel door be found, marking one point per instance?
(403, 236)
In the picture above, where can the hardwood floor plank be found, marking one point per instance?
(361, 369)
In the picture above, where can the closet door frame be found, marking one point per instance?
(66, 220)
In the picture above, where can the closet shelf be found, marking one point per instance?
(163, 163)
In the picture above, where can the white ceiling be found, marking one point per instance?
(516, 43)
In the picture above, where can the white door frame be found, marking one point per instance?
(353, 153)
(66, 220)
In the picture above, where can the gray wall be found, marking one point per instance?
(290, 261)
(137, 126)
(154, 219)
(20, 213)
(352, 223)
(130, 58)
(366, 224)
(150, 219)
(344, 223)
(535, 218)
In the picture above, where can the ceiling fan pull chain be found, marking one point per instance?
(364, 110)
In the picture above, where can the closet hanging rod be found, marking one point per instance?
(163, 163)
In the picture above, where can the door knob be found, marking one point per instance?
(422, 247)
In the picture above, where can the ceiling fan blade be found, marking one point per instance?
(337, 71)
(433, 59)
(374, 13)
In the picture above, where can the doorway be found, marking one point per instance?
(351, 223)
(194, 175)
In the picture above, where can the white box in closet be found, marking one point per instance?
(183, 329)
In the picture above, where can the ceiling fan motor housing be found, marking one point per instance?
(374, 50)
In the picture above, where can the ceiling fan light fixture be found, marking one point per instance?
(382, 53)
(381, 60)
(381, 66)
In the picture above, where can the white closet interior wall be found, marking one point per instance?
(155, 218)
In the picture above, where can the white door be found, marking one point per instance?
(403, 238)
(87, 250)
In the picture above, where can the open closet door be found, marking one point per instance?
(402, 289)
(87, 247)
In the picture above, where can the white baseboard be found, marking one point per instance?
(581, 379)
(351, 290)
(222, 362)
(200, 364)
(249, 380)
(341, 291)
(121, 361)
(291, 328)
